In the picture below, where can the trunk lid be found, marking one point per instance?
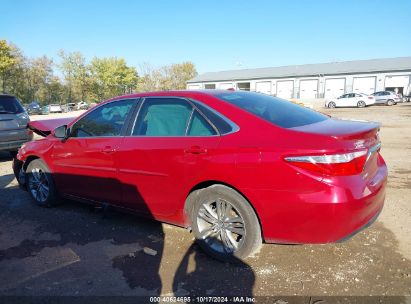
(45, 127)
(11, 122)
(342, 129)
(350, 136)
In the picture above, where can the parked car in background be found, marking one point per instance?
(13, 124)
(33, 108)
(45, 110)
(359, 100)
(387, 97)
(237, 167)
(82, 105)
(71, 106)
(55, 108)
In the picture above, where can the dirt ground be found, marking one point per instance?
(73, 250)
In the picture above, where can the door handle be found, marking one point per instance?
(196, 150)
(108, 150)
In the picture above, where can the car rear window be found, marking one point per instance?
(278, 111)
(10, 105)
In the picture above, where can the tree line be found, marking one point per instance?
(74, 78)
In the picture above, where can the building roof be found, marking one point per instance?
(332, 68)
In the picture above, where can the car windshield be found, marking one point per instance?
(10, 105)
(278, 111)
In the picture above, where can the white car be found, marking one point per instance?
(55, 108)
(359, 100)
(82, 105)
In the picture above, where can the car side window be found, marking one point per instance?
(166, 116)
(199, 126)
(104, 121)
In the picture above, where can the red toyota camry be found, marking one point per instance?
(238, 168)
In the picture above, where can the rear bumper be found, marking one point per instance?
(322, 216)
(370, 222)
(14, 139)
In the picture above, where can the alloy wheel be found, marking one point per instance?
(39, 185)
(221, 226)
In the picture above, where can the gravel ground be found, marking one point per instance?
(75, 250)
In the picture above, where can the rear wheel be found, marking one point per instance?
(390, 102)
(331, 105)
(361, 104)
(40, 184)
(224, 224)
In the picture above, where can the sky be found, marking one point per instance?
(214, 34)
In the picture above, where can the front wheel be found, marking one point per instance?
(331, 105)
(224, 224)
(40, 184)
(361, 104)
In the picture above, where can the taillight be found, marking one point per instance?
(331, 164)
(370, 97)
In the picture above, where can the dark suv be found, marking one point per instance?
(13, 124)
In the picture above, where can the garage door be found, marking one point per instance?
(308, 88)
(397, 81)
(285, 89)
(334, 87)
(263, 87)
(225, 86)
(364, 85)
(193, 87)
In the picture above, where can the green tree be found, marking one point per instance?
(76, 74)
(172, 77)
(7, 61)
(112, 77)
(38, 73)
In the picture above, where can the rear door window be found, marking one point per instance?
(163, 117)
(199, 126)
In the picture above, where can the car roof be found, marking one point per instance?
(180, 93)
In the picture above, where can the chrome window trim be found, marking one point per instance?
(234, 126)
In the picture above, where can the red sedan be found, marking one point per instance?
(238, 168)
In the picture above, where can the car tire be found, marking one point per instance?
(331, 105)
(19, 173)
(361, 104)
(224, 224)
(390, 102)
(40, 184)
(13, 154)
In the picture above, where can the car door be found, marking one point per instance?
(341, 101)
(351, 100)
(384, 97)
(170, 146)
(377, 97)
(85, 163)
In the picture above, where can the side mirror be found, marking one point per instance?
(61, 132)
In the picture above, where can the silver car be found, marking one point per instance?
(386, 97)
(13, 124)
